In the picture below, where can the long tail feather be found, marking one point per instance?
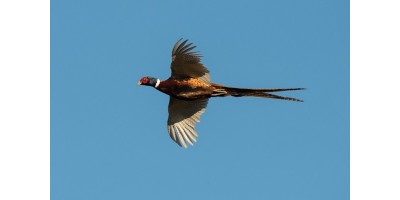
(262, 89)
(262, 92)
(267, 95)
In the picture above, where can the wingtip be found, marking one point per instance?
(182, 41)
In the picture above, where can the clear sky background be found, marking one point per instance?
(109, 138)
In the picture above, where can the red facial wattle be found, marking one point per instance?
(144, 80)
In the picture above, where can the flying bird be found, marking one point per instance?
(189, 88)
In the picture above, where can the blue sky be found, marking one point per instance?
(109, 137)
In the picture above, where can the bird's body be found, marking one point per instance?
(189, 88)
(186, 89)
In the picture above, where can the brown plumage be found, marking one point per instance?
(189, 88)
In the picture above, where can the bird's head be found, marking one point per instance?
(149, 81)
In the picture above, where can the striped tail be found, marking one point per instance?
(222, 91)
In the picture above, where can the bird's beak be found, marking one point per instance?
(139, 83)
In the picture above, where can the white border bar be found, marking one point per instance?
(25, 100)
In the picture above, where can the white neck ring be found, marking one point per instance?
(158, 83)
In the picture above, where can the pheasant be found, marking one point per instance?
(189, 88)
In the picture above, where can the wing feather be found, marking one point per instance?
(190, 135)
(186, 63)
(176, 46)
(180, 138)
(184, 133)
(182, 119)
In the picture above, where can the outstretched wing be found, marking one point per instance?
(186, 63)
(182, 119)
